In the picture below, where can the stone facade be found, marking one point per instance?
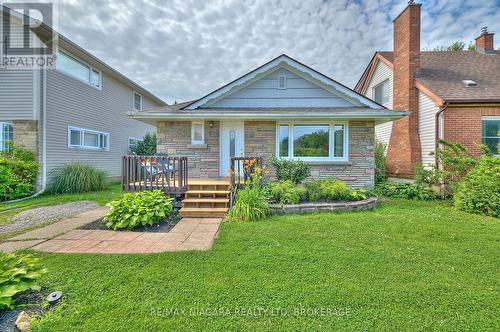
(174, 138)
(26, 135)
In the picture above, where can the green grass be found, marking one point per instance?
(408, 265)
(8, 210)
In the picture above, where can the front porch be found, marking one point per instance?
(201, 198)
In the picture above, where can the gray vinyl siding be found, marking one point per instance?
(427, 110)
(71, 102)
(299, 92)
(16, 94)
(382, 72)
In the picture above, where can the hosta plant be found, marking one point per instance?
(18, 273)
(138, 209)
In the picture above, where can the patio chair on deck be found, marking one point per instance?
(165, 166)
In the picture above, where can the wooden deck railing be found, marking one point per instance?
(239, 173)
(169, 174)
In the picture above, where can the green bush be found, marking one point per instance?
(479, 191)
(380, 171)
(78, 178)
(286, 192)
(18, 172)
(133, 210)
(146, 147)
(251, 203)
(328, 189)
(18, 273)
(293, 170)
(360, 194)
(427, 176)
(407, 190)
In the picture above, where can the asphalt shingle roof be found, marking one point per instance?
(442, 72)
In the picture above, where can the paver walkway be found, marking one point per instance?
(63, 237)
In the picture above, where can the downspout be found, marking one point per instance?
(43, 120)
(438, 132)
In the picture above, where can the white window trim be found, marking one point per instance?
(1, 133)
(82, 146)
(331, 124)
(380, 84)
(193, 141)
(89, 82)
(489, 118)
(284, 79)
(133, 101)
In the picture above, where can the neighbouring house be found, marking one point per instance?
(281, 108)
(451, 95)
(75, 112)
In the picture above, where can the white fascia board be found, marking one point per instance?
(271, 66)
(379, 116)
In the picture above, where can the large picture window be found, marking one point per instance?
(312, 141)
(87, 139)
(491, 133)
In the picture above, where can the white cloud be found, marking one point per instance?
(183, 49)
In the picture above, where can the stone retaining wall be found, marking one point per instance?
(366, 204)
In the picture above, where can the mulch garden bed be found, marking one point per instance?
(163, 226)
(29, 301)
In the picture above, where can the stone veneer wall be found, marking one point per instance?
(174, 138)
(26, 135)
(260, 138)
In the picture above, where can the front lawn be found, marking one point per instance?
(408, 265)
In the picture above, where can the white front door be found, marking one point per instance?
(232, 143)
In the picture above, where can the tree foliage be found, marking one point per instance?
(146, 147)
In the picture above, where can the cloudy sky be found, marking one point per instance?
(183, 49)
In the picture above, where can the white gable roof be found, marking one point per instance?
(244, 92)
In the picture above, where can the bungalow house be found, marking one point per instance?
(73, 112)
(451, 95)
(281, 108)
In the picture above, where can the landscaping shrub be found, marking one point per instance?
(133, 210)
(427, 176)
(18, 172)
(293, 170)
(251, 203)
(286, 192)
(329, 189)
(78, 178)
(380, 171)
(146, 147)
(479, 191)
(407, 190)
(360, 194)
(18, 273)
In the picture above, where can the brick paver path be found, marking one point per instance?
(188, 234)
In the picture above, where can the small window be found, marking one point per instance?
(95, 79)
(87, 139)
(132, 143)
(283, 140)
(6, 135)
(281, 82)
(79, 70)
(197, 133)
(137, 102)
(491, 133)
(381, 93)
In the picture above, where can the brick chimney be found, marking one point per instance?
(484, 43)
(404, 146)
